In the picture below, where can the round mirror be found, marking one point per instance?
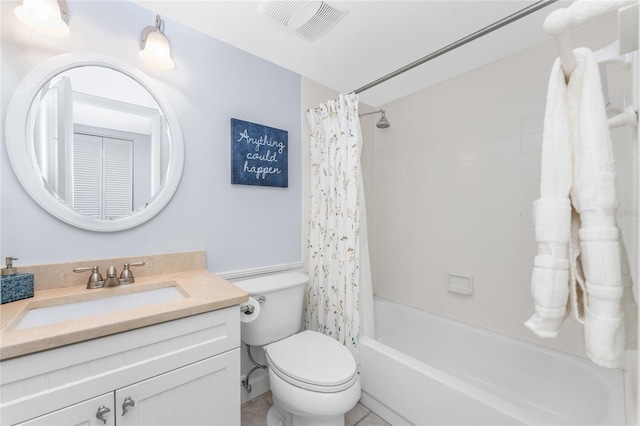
(93, 142)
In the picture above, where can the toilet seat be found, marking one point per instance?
(313, 361)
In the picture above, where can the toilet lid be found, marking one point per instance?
(311, 358)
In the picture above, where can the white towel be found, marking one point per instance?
(552, 214)
(580, 257)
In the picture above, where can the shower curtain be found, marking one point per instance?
(340, 290)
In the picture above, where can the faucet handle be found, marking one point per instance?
(126, 277)
(95, 279)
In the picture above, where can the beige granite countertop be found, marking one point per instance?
(203, 292)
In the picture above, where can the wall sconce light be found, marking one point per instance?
(155, 49)
(46, 16)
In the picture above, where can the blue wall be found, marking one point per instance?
(240, 227)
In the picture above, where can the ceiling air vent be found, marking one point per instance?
(309, 19)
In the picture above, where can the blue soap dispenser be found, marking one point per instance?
(13, 285)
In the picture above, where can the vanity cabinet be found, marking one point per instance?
(181, 372)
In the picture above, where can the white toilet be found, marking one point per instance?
(313, 378)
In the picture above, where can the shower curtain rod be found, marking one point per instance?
(484, 31)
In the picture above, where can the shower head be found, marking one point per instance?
(383, 123)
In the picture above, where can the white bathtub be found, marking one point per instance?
(424, 369)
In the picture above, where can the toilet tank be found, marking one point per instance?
(280, 314)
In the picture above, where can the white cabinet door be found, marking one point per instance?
(202, 393)
(84, 413)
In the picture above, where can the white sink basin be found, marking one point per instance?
(75, 310)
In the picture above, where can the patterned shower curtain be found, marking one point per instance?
(333, 301)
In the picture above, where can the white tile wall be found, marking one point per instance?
(455, 179)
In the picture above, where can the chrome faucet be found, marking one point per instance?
(96, 280)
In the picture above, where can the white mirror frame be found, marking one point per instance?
(19, 147)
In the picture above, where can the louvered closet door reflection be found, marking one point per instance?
(118, 177)
(102, 176)
(87, 174)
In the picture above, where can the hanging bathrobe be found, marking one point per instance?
(581, 263)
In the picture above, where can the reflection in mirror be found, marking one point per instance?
(100, 141)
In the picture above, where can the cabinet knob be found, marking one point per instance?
(103, 413)
(128, 402)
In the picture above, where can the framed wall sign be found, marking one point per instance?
(258, 154)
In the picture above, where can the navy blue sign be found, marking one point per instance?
(258, 154)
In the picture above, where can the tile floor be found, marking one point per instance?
(254, 413)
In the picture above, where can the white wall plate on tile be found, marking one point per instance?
(459, 283)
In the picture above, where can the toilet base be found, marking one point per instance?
(276, 418)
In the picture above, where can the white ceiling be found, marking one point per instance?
(372, 40)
